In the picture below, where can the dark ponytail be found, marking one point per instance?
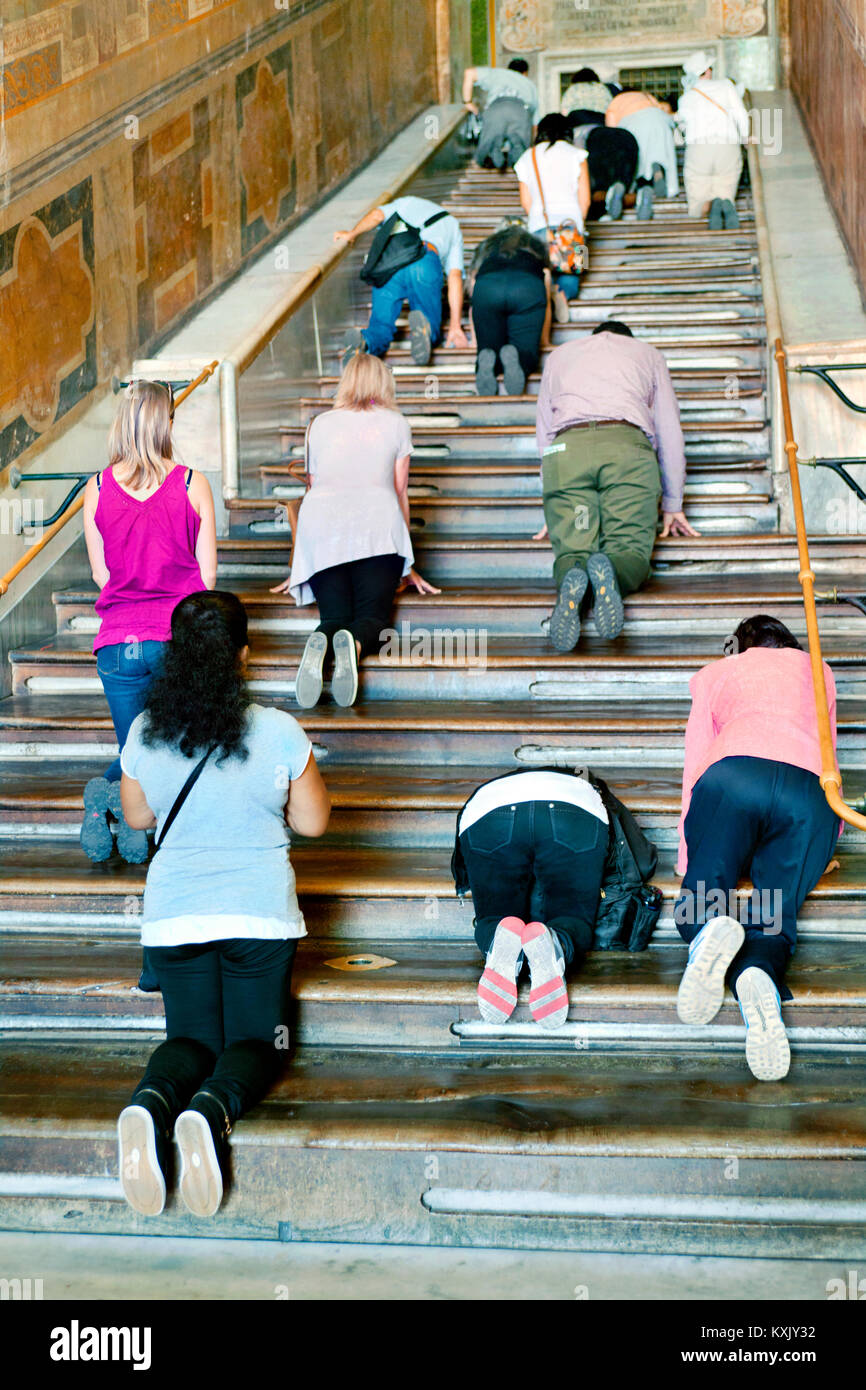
(200, 695)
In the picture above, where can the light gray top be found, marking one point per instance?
(351, 510)
(504, 82)
(224, 869)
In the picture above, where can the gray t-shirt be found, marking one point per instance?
(505, 82)
(224, 869)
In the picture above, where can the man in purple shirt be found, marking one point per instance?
(609, 436)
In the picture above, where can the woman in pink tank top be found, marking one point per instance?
(151, 540)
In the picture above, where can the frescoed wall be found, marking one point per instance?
(149, 148)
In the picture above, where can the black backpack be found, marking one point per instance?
(396, 244)
(629, 905)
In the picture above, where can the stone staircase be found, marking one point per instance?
(403, 1117)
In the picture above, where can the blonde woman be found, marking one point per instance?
(352, 543)
(151, 540)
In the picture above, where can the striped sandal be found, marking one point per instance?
(497, 988)
(548, 995)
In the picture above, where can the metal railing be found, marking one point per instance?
(75, 498)
(830, 777)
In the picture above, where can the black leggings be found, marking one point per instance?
(226, 1020)
(509, 307)
(612, 156)
(537, 859)
(764, 820)
(359, 596)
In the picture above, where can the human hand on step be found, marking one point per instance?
(413, 579)
(542, 534)
(675, 524)
(282, 588)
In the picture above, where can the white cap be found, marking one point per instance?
(697, 63)
(607, 71)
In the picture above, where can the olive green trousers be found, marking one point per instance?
(602, 487)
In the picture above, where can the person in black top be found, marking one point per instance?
(510, 287)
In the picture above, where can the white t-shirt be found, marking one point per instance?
(559, 167)
(712, 113)
(532, 786)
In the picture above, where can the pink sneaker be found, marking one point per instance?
(497, 988)
(548, 996)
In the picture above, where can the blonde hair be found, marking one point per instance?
(365, 383)
(140, 438)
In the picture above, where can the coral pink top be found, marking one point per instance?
(149, 547)
(627, 104)
(759, 704)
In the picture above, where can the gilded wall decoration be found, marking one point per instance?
(47, 308)
(263, 96)
(173, 238)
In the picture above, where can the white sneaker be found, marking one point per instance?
(497, 988)
(548, 994)
(768, 1052)
(702, 987)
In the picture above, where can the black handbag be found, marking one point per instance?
(395, 245)
(148, 980)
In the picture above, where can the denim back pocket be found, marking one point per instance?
(574, 828)
(493, 831)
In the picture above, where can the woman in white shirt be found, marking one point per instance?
(554, 180)
(715, 124)
(352, 545)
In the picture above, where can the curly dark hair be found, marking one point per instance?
(200, 697)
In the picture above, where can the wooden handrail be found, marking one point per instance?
(830, 778)
(76, 506)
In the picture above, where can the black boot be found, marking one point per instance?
(202, 1134)
(144, 1150)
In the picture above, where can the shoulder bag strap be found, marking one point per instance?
(540, 187)
(182, 796)
(437, 217)
(706, 96)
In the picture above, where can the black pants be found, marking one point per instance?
(509, 307)
(226, 1004)
(764, 820)
(612, 157)
(539, 861)
(359, 596)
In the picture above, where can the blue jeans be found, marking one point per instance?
(126, 670)
(421, 284)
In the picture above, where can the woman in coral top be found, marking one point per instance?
(753, 807)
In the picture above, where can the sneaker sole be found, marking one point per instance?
(768, 1052)
(716, 221)
(420, 343)
(613, 206)
(730, 218)
(485, 377)
(141, 1177)
(565, 618)
(131, 844)
(201, 1183)
(645, 207)
(512, 372)
(344, 682)
(608, 610)
(95, 837)
(560, 307)
(548, 993)
(497, 988)
(702, 987)
(308, 681)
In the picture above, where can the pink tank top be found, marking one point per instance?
(150, 557)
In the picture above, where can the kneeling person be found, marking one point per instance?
(532, 847)
(611, 445)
